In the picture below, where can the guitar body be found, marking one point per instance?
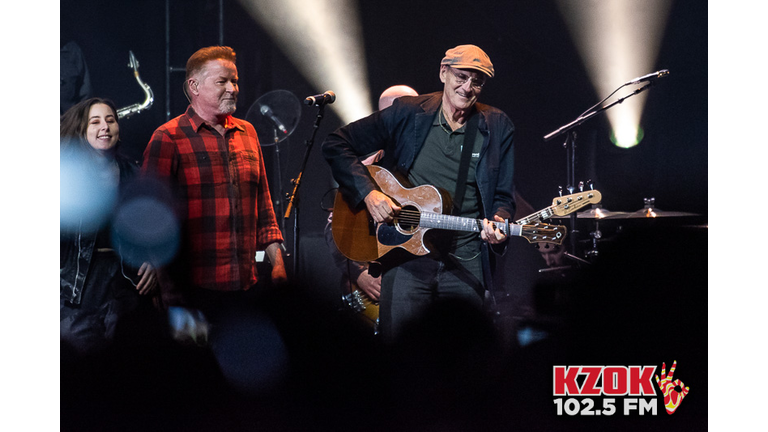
(358, 237)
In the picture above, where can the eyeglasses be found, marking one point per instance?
(461, 78)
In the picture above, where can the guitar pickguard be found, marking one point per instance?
(388, 235)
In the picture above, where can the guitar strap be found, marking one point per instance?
(469, 143)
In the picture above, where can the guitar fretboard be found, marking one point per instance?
(458, 223)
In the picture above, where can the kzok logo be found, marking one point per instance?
(617, 380)
(583, 383)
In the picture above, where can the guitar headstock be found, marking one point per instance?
(565, 205)
(544, 233)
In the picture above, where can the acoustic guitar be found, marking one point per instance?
(360, 239)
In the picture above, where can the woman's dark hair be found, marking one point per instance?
(73, 124)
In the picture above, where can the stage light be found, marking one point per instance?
(324, 39)
(618, 40)
(627, 136)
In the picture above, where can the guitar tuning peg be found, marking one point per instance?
(649, 202)
(570, 189)
(581, 186)
(590, 184)
(560, 190)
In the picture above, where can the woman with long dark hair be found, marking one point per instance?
(100, 290)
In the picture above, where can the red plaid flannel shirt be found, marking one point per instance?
(222, 180)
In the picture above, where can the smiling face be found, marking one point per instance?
(215, 89)
(103, 131)
(461, 87)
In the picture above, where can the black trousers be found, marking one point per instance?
(108, 300)
(414, 284)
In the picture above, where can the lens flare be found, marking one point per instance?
(88, 190)
(145, 230)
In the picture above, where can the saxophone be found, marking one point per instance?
(137, 107)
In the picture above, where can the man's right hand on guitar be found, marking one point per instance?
(381, 207)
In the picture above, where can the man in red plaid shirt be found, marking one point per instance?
(213, 163)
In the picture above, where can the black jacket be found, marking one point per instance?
(401, 131)
(77, 246)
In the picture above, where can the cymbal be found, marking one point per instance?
(650, 213)
(594, 213)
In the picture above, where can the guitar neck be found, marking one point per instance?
(563, 206)
(458, 223)
(538, 216)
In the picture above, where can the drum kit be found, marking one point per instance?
(647, 212)
(598, 214)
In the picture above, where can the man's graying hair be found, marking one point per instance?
(203, 55)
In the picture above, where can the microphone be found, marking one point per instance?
(321, 99)
(267, 111)
(650, 77)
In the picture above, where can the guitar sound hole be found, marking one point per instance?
(408, 219)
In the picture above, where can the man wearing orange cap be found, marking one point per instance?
(426, 136)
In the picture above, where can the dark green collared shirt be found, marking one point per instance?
(437, 164)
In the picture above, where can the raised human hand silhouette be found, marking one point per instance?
(672, 398)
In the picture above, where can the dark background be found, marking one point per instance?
(541, 84)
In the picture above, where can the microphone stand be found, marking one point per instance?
(570, 146)
(279, 199)
(294, 199)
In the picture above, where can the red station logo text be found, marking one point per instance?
(604, 380)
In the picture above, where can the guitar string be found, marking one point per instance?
(413, 217)
(536, 216)
(543, 230)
